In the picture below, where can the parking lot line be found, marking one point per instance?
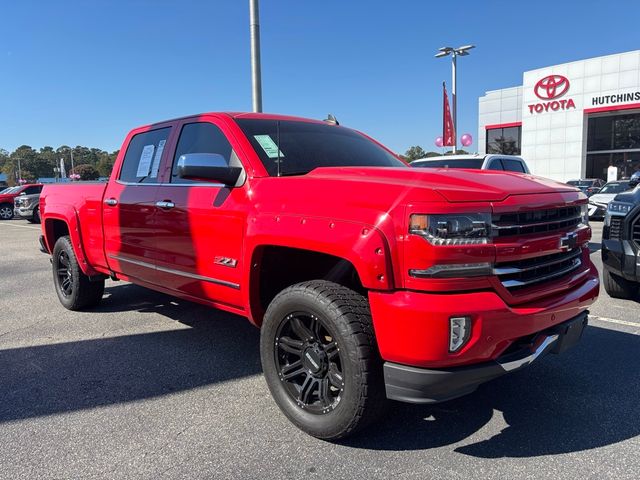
(613, 320)
(20, 226)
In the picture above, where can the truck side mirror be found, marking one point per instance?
(207, 167)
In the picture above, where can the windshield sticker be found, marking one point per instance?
(156, 159)
(145, 161)
(268, 145)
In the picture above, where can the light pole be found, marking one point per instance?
(454, 52)
(19, 170)
(256, 75)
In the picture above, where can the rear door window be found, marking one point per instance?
(512, 165)
(495, 164)
(144, 153)
(33, 189)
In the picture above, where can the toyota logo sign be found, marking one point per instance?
(550, 87)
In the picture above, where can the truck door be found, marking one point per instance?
(129, 206)
(199, 225)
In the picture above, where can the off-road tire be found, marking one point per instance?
(36, 216)
(618, 287)
(345, 315)
(74, 289)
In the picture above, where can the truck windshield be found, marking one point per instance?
(474, 163)
(580, 183)
(304, 146)
(615, 187)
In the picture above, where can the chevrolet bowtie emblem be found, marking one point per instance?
(568, 242)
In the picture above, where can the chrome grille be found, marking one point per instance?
(615, 227)
(525, 273)
(636, 231)
(535, 221)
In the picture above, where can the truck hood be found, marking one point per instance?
(455, 185)
(630, 196)
(603, 198)
(7, 198)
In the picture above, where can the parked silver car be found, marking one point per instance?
(509, 163)
(27, 207)
(598, 202)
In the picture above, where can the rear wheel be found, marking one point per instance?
(75, 290)
(320, 359)
(6, 211)
(618, 287)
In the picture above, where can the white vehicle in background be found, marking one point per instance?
(509, 163)
(598, 202)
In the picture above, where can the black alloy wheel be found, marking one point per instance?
(76, 291)
(320, 359)
(309, 362)
(65, 274)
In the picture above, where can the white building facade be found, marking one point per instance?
(569, 121)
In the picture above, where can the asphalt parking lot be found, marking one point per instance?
(152, 387)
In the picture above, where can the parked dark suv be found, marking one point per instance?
(621, 243)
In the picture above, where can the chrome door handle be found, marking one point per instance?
(165, 204)
(112, 202)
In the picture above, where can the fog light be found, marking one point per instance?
(459, 332)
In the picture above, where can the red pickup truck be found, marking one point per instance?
(369, 280)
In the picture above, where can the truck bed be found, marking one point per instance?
(77, 200)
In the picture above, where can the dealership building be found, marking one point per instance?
(569, 121)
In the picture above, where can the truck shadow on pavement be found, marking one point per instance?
(586, 398)
(76, 375)
(583, 399)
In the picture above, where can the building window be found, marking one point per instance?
(617, 132)
(504, 140)
(613, 140)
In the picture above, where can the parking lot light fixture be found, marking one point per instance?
(454, 52)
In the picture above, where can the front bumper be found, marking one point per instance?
(412, 328)
(420, 385)
(622, 258)
(597, 211)
(23, 212)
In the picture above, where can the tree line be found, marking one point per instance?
(92, 163)
(417, 152)
(32, 164)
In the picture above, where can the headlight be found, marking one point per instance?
(620, 208)
(452, 229)
(584, 214)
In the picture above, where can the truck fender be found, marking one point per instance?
(364, 246)
(69, 216)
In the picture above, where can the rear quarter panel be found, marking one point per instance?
(79, 206)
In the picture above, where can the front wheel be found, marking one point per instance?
(320, 359)
(618, 287)
(75, 290)
(6, 211)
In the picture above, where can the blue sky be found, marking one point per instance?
(86, 72)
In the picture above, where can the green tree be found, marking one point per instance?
(86, 172)
(458, 152)
(105, 165)
(414, 153)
